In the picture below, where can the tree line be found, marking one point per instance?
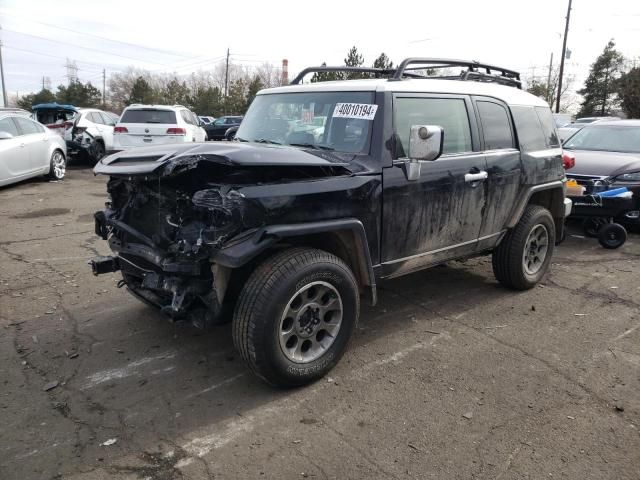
(613, 84)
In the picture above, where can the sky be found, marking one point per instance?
(39, 35)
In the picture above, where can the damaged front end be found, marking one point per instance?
(166, 221)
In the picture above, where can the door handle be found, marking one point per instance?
(476, 177)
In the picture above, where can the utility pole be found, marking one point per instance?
(564, 51)
(4, 89)
(104, 82)
(226, 83)
(549, 88)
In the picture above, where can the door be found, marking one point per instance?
(439, 215)
(503, 166)
(35, 142)
(14, 156)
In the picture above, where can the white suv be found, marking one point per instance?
(144, 125)
(91, 133)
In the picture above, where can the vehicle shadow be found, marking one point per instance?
(144, 375)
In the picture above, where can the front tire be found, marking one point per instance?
(524, 254)
(295, 316)
(57, 166)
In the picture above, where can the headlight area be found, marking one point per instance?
(164, 245)
(632, 177)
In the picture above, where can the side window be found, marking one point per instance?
(7, 125)
(495, 125)
(530, 134)
(105, 119)
(27, 126)
(96, 118)
(548, 126)
(186, 116)
(448, 113)
(194, 119)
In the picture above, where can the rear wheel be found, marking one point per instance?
(295, 316)
(58, 166)
(524, 254)
(99, 151)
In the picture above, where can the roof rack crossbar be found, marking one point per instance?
(471, 65)
(324, 68)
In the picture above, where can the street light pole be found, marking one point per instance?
(564, 51)
(4, 89)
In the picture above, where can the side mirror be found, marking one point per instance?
(5, 136)
(425, 144)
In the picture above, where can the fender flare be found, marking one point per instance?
(524, 200)
(243, 250)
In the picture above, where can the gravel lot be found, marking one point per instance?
(450, 376)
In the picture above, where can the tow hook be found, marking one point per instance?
(100, 265)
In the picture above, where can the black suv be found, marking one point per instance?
(328, 189)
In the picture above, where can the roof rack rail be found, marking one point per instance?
(501, 75)
(473, 71)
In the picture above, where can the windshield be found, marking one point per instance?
(606, 138)
(338, 121)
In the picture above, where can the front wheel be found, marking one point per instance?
(524, 254)
(58, 166)
(295, 315)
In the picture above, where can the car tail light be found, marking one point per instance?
(120, 130)
(176, 131)
(568, 160)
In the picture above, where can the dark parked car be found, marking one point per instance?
(288, 227)
(218, 128)
(607, 155)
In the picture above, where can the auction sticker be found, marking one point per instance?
(364, 111)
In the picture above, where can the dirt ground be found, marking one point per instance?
(450, 376)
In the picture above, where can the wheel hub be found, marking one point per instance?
(535, 251)
(308, 321)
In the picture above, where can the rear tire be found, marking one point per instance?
(612, 236)
(524, 254)
(57, 166)
(295, 316)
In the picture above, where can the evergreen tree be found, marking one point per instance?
(599, 90)
(383, 62)
(354, 59)
(252, 89)
(628, 89)
(43, 96)
(79, 94)
(141, 92)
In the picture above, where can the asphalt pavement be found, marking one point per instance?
(450, 376)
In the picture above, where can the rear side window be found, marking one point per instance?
(95, 118)
(27, 126)
(7, 125)
(548, 126)
(495, 125)
(148, 115)
(530, 134)
(448, 113)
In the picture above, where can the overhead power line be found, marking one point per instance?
(153, 49)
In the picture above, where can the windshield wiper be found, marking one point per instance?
(240, 139)
(265, 140)
(312, 146)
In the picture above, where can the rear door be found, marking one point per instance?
(106, 129)
(503, 164)
(14, 156)
(35, 142)
(148, 126)
(439, 215)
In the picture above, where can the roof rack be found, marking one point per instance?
(473, 71)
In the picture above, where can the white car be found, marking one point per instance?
(91, 134)
(146, 125)
(29, 149)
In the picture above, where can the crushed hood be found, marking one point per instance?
(167, 158)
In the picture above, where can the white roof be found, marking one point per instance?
(510, 95)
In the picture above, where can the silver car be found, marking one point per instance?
(29, 149)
